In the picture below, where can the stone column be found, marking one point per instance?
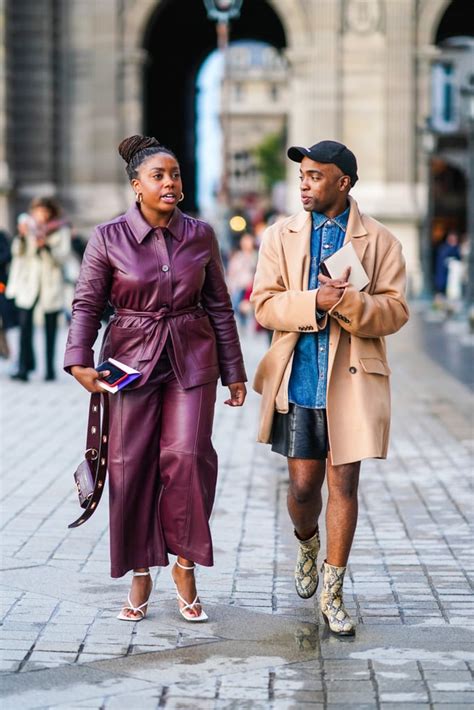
(89, 111)
(4, 172)
(299, 117)
(129, 107)
(314, 84)
(402, 213)
(363, 88)
(31, 99)
(325, 70)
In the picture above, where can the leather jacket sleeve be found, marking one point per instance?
(216, 301)
(90, 299)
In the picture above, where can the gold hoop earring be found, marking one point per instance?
(139, 197)
(182, 197)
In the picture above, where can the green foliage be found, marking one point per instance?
(269, 155)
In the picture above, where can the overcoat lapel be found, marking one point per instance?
(357, 233)
(296, 242)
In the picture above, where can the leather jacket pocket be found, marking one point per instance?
(125, 344)
(201, 342)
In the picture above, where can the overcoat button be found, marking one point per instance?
(165, 267)
(353, 370)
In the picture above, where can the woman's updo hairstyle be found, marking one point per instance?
(135, 149)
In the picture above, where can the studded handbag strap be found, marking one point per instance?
(97, 444)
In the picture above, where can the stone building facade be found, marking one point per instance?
(254, 105)
(76, 76)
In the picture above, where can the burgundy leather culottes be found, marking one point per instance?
(162, 472)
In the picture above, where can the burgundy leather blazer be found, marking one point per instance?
(126, 263)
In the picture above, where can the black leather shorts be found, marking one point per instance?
(300, 434)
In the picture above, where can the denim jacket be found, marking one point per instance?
(308, 381)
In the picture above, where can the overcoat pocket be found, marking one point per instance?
(375, 366)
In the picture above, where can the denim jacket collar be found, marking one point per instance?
(341, 220)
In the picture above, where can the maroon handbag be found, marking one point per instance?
(91, 473)
(84, 478)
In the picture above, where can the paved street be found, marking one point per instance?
(408, 584)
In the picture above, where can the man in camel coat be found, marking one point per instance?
(325, 380)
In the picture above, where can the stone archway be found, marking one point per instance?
(286, 24)
(428, 22)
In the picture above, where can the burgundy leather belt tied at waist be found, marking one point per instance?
(164, 313)
(96, 453)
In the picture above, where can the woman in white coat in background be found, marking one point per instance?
(40, 250)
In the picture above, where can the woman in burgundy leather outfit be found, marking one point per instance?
(173, 321)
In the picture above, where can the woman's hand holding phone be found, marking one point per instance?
(88, 376)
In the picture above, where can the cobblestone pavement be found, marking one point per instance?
(408, 583)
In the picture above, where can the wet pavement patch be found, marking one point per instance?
(238, 643)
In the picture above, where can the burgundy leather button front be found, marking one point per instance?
(165, 267)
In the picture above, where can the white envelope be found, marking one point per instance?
(338, 262)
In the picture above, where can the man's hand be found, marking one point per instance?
(331, 290)
(87, 377)
(238, 392)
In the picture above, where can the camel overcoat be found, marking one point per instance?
(358, 390)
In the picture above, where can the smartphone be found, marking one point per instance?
(324, 269)
(116, 374)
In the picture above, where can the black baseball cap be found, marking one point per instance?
(328, 152)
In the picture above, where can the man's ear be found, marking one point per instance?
(345, 183)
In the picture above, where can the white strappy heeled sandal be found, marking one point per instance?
(182, 609)
(136, 609)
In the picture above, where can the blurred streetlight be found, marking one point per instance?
(467, 108)
(222, 11)
(237, 223)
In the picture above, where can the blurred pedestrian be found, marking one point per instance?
(40, 249)
(173, 321)
(324, 380)
(448, 249)
(5, 258)
(240, 273)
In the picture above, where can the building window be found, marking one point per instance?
(444, 114)
(238, 91)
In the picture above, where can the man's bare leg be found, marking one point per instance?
(341, 511)
(341, 521)
(304, 505)
(304, 494)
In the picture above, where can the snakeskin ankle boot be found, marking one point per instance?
(331, 601)
(306, 571)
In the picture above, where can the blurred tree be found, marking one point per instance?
(269, 156)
